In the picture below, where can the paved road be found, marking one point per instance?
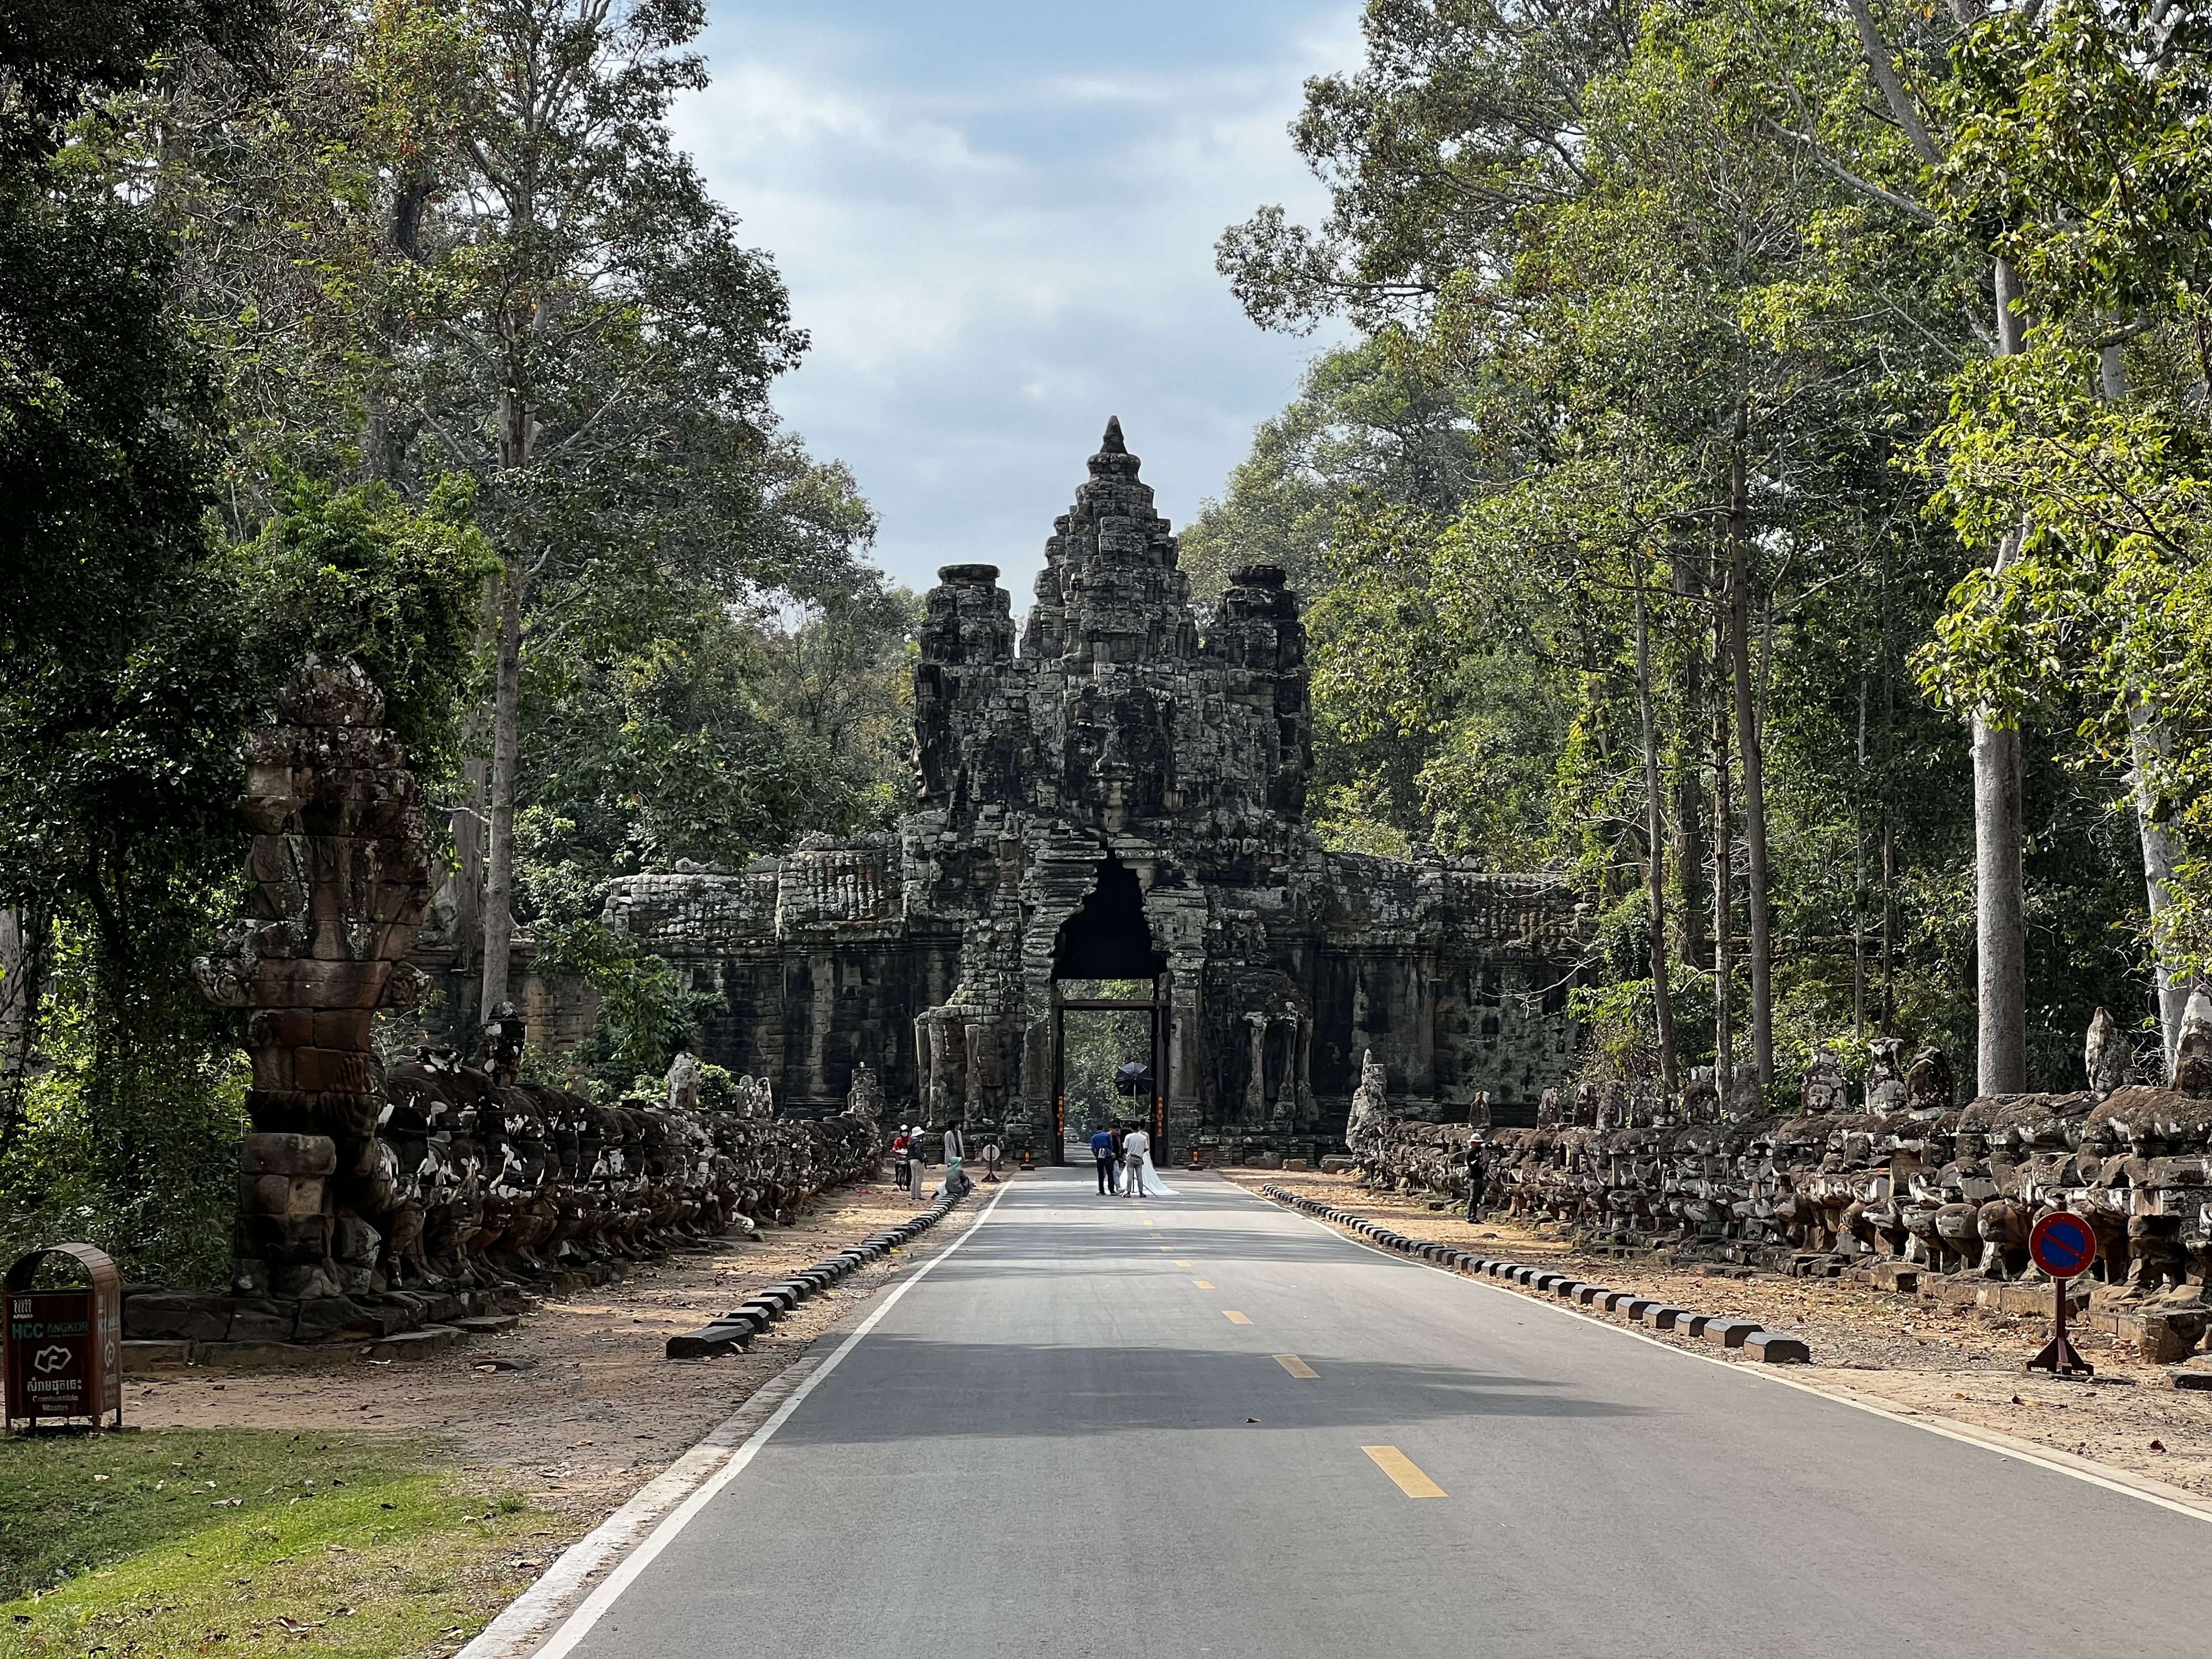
(1048, 1447)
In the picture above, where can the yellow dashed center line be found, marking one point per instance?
(1403, 1470)
(1203, 1286)
(1182, 1264)
(1234, 1317)
(1295, 1367)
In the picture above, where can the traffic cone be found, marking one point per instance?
(1026, 1164)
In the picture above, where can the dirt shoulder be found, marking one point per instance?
(578, 1407)
(1963, 1365)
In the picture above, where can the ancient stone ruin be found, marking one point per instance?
(1903, 1188)
(1120, 794)
(415, 1198)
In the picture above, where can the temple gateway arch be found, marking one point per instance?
(1119, 795)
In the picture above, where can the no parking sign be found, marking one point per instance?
(2062, 1245)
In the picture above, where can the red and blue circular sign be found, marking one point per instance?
(2062, 1245)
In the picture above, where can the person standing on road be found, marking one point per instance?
(1101, 1148)
(1135, 1145)
(956, 1155)
(917, 1164)
(1478, 1174)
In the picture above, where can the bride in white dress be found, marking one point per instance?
(1142, 1178)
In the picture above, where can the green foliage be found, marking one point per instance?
(358, 572)
(717, 737)
(266, 309)
(646, 1012)
(128, 1139)
(1097, 1044)
(2078, 152)
(1609, 254)
(718, 1090)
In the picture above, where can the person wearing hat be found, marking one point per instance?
(917, 1153)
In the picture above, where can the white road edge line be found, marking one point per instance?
(2138, 1486)
(578, 1625)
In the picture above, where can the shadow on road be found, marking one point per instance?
(1055, 1389)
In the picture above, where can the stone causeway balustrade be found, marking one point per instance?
(407, 1205)
(1906, 1190)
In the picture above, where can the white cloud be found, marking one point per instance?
(992, 253)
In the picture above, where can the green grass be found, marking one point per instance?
(183, 1541)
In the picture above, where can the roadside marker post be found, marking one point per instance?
(2062, 1245)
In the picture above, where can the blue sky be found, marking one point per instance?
(997, 222)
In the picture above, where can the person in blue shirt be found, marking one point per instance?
(1101, 1148)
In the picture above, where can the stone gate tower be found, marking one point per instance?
(1122, 797)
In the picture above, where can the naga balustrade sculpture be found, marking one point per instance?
(1909, 1175)
(363, 1185)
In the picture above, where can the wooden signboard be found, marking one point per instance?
(63, 1354)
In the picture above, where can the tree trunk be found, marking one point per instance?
(507, 738)
(25, 935)
(1859, 879)
(1888, 822)
(470, 825)
(2000, 927)
(1749, 747)
(2146, 738)
(1999, 903)
(2146, 732)
(1655, 822)
(1724, 884)
(1689, 798)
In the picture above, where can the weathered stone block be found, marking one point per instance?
(285, 1240)
(336, 1318)
(262, 1322)
(280, 1028)
(288, 1154)
(1731, 1333)
(261, 1356)
(181, 1316)
(280, 1195)
(1773, 1348)
(425, 1344)
(331, 1070)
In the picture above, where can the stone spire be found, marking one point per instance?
(1113, 459)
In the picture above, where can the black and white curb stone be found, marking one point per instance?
(736, 1329)
(1769, 1347)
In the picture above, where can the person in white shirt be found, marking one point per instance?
(1134, 1145)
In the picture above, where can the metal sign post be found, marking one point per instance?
(2062, 1245)
(64, 1348)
